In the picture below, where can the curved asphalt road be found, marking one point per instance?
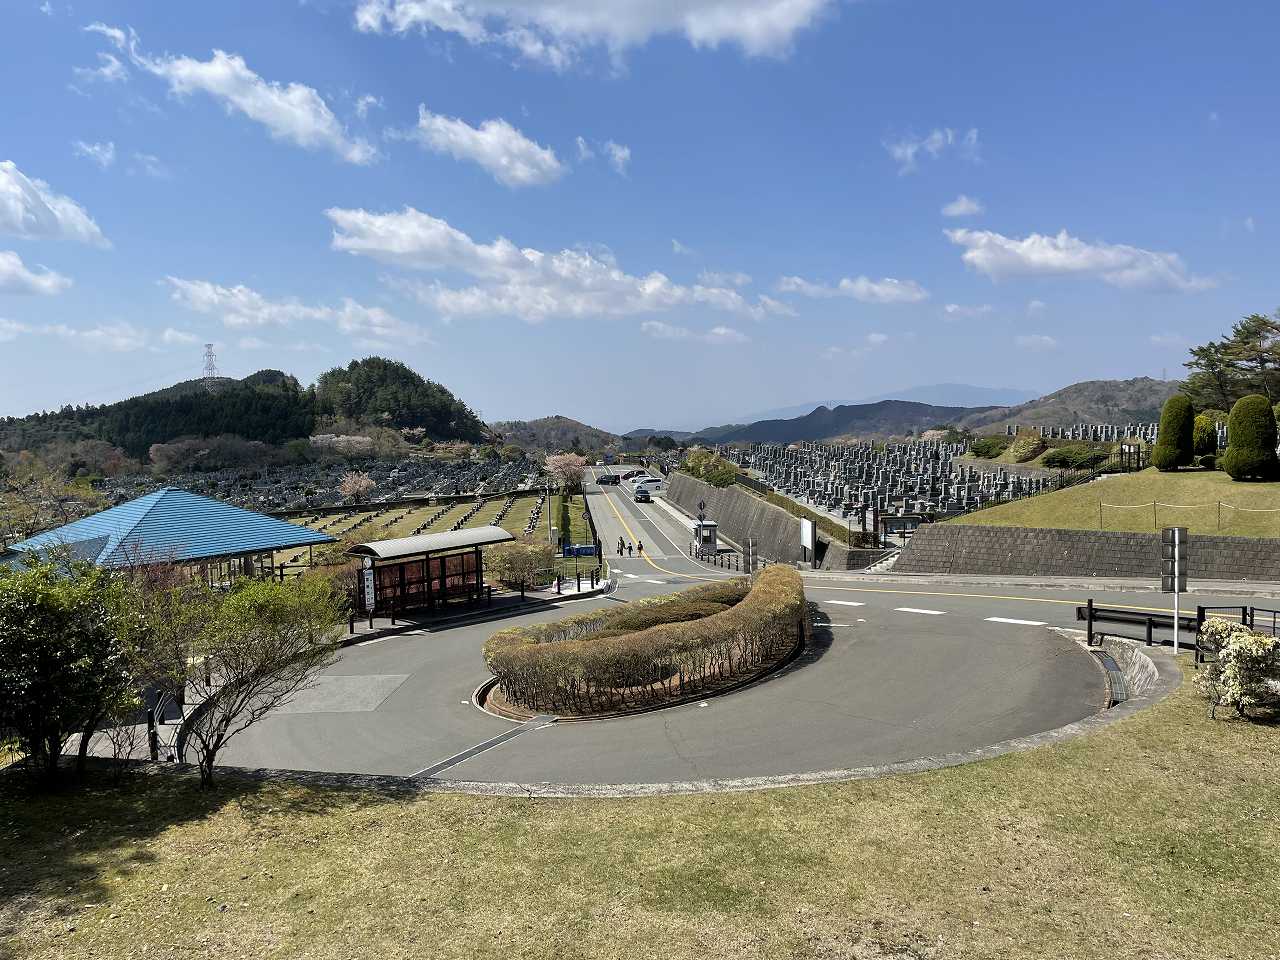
(895, 672)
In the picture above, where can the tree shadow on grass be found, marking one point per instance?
(59, 847)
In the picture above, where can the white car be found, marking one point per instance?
(646, 483)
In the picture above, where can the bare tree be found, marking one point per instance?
(266, 642)
(566, 469)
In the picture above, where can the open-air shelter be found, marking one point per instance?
(428, 570)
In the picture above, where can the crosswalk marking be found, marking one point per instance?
(633, 576)
(848, 603)
(1021, 623)
(931, 613)
(655, 581)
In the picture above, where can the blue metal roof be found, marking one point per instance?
(172, 525)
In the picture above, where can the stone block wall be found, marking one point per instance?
(1020, 551)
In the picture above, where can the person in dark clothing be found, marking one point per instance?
(640, 546)
(628, 548)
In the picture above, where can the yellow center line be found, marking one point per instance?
(631, 534)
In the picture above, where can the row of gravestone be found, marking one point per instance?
(915, 476)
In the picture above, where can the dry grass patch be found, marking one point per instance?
(1155, 838)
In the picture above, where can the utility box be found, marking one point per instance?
(705, 540)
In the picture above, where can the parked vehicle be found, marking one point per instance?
(631, 474)
(607, 479)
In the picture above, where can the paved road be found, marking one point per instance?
(896, 672)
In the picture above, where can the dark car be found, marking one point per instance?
(631, 473)
(605, 479)
(642, 496)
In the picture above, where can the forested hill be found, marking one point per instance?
(268, 406)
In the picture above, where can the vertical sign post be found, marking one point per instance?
(1173, 571)
(368, 584)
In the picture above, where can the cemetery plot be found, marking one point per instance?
(913, 477)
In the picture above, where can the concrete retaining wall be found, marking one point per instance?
(1014, 551)
(740, 515)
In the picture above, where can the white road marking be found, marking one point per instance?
(655, 581)
(847, 603)
(1021, 623)
(930, 613)
(633, 576)
(365, 643)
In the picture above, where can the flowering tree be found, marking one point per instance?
(355, 486)
(566, 469)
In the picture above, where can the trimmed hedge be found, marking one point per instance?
(988, 448)
(1175, 443)
(1026, 448)
(650, 650)
(1075, 457)
(1251, 441)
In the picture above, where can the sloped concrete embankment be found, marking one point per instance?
(740, 515)
(952, 548)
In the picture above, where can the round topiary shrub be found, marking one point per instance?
(1204, 434)
(1175, 443)
(1251, 441)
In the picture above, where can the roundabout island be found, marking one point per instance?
(891, 676)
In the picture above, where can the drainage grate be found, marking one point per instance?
(1115, 678)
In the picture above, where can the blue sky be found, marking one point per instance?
(633, 213)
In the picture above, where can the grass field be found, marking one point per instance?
(1183, 499)
(1158, 837)
(391, 522)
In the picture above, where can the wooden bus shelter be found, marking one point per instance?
(431, 570)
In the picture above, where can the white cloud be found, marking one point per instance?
(506, 153)
(108, 70)
(46, 8)
(366, 103)
(241, 307)
(963, 206)
(16, 278)
(117, 36)
(716, 335)
(103, 154)
(907, 151)
(115, 337)
(150, 165)
(619, 156)
(1120, 265)
(11, 330)
(870, 342)
(252, 343)
(1167, 339)
(584, 150)
(178, 337)
(1036, 306)
(292, 112)
(29, 208)
(1036, 342)
(713, 278)
(679, 248)
(884, 290)
(521, 282)
(556, 33)
(955, 311)
(1249, 225)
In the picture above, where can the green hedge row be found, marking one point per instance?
(649, 650)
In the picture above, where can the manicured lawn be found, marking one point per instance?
(1158, 837)
(1187, 499)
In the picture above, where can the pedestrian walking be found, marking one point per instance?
(640, 547)
(621, 546)
(628, 548)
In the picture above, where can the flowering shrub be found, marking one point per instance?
(1246, 672)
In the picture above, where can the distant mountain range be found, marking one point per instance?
(556, 433)
(1093, 401)
(936, 394)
